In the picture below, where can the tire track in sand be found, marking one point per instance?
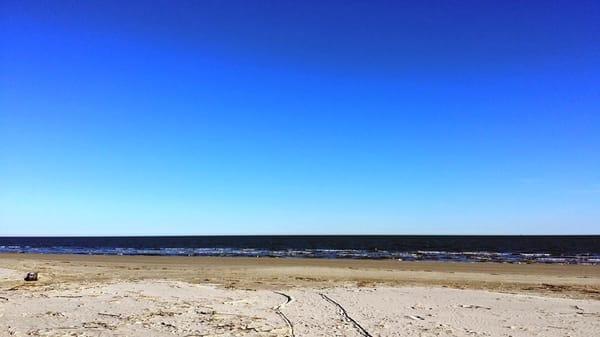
(289, 299)
(347, 317)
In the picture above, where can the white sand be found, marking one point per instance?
(10, 275)
(172, 308)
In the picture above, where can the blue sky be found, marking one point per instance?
(299, 117)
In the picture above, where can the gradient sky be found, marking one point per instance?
(299, 117)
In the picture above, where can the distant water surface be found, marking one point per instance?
(511, 249)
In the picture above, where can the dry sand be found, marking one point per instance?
(160, 296)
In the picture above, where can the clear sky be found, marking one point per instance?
(299, 117)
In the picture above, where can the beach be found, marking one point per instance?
(80, 295)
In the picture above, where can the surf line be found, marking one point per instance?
(360, 329)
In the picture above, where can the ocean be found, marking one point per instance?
(507, 249)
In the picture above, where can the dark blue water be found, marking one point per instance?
(511, 249)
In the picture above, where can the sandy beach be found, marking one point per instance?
(181, 296)
(299, 168)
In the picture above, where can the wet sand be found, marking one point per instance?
(579, 281)
(198, 296)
